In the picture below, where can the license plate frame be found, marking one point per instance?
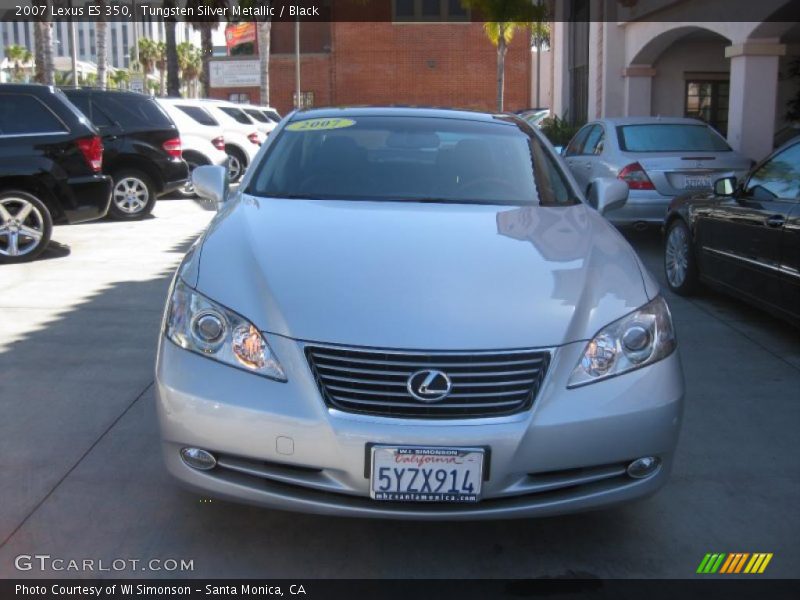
(420, 478)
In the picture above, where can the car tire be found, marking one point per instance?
(133, 196)
(187, 190)
(680, 266)
(237, 163)
(23, 237)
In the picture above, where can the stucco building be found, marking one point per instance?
(676, 58)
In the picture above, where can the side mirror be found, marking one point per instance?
(559, 150)
(608, 194)
(211, 183)
(725, 186)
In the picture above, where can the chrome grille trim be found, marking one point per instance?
(373, 381)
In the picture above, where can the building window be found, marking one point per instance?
(428, 11)
(239, 98)
(306, 99)
(707, 99)
(81, 44)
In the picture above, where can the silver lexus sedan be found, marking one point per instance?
(413, 313)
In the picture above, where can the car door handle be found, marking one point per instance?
(110, 138)
(776, 221)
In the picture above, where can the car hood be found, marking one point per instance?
(420, 275)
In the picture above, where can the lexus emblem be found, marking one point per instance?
(429, 385)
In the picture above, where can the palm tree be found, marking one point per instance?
(120, 77)
(147, 56)
(102, 48)
(171, 51)
(503, 19)
(206, 27)
(190, 62)
(160, 63)
(264, 31)
(43, 48)
(19, 55)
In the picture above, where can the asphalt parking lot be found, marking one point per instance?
(81, 474)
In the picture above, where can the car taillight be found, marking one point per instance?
(636, 177)
(92, 150)
(253, 137)
(173, 147)
(219, 143)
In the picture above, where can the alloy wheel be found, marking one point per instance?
(188, 188)
(677, 256)
(234, 167)
(21, 227)
(131, 195)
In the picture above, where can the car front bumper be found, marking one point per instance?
(278, 445)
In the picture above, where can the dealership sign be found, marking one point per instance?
(234, 73)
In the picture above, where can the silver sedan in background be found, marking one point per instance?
(658, 158)
(412, 313)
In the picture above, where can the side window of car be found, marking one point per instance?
(779, 177)
(24, 114)
(594, 141)
(100, 118)
(575, 145)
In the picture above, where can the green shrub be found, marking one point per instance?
(558, 130)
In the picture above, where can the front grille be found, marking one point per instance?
(375, 381)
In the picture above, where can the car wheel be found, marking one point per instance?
(187, 189)
(25, 226)
(236, 164)
(133, 196)
(680, 267)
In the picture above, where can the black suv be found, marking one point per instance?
(50, 162)
(142, 148)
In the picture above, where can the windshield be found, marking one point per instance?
(410, 158)
(666, 137)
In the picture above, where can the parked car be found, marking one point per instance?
(659, 158)
(50, 162)
(260, 117)
(142, 148)
(412, 313)
(202, 138)
(743, 239)
(242, 137)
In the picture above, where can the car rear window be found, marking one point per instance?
(410, 159)
(199, 114)
(670, 137)
(256, 114)
(273, 114)
(24, 113)
(131, 111)
(237, 114)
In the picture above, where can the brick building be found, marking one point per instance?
(389, 62)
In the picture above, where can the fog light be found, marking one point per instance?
(643, 467)
(198, 459)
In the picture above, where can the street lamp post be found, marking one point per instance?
(297, 102)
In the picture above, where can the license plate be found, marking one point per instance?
(416, 474)
(701, 182)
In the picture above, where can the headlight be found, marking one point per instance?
(634, 341)
(201, 325)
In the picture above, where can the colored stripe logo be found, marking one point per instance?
(734, 563)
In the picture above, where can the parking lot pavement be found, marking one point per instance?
(81, 474)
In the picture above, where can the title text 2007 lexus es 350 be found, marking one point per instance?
(413, 313)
